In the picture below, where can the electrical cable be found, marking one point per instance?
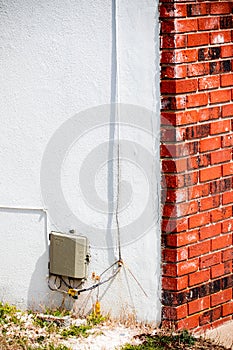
(118, 124)
(116, 262)
(74, 292)
(57, 288)
(99, 283)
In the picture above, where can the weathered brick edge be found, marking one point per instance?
(196, 153)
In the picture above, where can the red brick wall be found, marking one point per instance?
(196, 153)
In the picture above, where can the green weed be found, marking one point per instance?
(50, 326)
(76, 331)
(56, 312)
(94, 320)
(163, 341)
(8, 313)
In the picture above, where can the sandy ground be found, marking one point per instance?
(222, 335)
(106, 338)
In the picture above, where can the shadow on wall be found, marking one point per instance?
(40, 296)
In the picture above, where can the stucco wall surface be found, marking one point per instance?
(59, 61)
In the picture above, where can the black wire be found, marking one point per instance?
(53, 289)
(62, 280)
(69, 285)
(65, 283)
(99, 283)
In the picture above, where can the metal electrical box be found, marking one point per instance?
(69, 255)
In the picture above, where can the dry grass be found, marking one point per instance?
(53, 330)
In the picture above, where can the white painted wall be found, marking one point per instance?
(57, 59)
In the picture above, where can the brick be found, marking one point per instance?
(173, 181)
(186, 56)
(175, 255)
(217, 67)
(227, 309)
(227, 110)
(220, 37)
(197, 162)
(210, 173)
(209, 202)
(181, 268)
(179, 26)
(174, 225)
(181, 239)
(226, 51)
(173, 41)
(173, 72)
(196, 100)
(227, 169)
(186, 25)
(221, 185)
(174, 165)
(210, 144)
(197, 69)
(196, 9)
(221, 213)
(220, 96)
(177, 195)
(172, 150)
(211, 53)
(221, 241)
(208, 23)
(210, 231)
(202, 160)
(174, 313)
(167, 134)
(227, 197)
(220, 156)
(188, 322)
(199, 249)
(227, 80)
(175, 284)
(227, 140)
(198, 191)
(198, 305)
(180, 209)
(209, 82)
(198, 220)
(210, 260)
(227, 282)
(217, 271)
(216, 313)
(226, 22)
(173, 102)
(205, 319)
(179, 86)
(197, 131)
(179, 118)
(227, 267)
(220, 127)
(173, 10)
(205, 114)
(215, 286)
(221, 297)
(191, 178)
(199, 39)
(225, 66)
(168, 26)
(199, 277)
(224, 7)
(227, 254)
